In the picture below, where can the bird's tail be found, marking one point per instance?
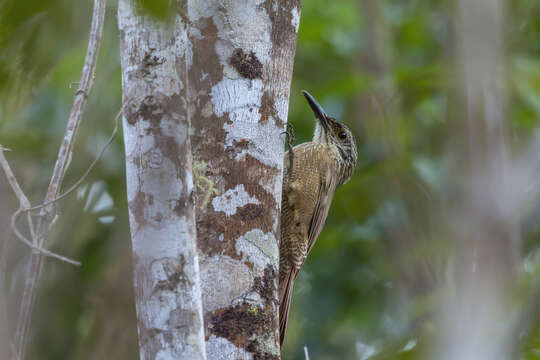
(285, 293)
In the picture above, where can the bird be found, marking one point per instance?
(312, 172)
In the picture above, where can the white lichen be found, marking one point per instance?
(295, 20)
(245, 25)
(240, 98)
(218, 348)
(218, 287)
(233, 199)
(264, 141)
(259, 248)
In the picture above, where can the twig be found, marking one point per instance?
(25, 204)
(23, 200)
(27, 208)
(37, 249)
(306, 354)
(60, 168)
(90, 168)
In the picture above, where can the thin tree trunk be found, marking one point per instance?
(487, 238)
(240, 78)
(155, 58)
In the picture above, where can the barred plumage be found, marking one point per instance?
(319, 167)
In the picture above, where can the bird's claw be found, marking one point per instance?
(289, 141)
(289, 138)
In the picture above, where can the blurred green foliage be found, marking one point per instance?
(368, 290)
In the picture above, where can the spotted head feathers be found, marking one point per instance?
(337, 135)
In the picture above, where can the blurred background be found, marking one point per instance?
(378, 283)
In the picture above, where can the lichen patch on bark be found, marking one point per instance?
(217, 288)
(219, 348)
(247, 324)
(295, 18)
(259, 248)
(263, 145)
(221, 236)
(236, 97)
(233, 199)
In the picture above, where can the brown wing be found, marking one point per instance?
(327, 187)
(324, 197)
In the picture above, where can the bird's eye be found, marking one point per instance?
(342, 135)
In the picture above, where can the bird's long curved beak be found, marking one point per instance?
(318, 110)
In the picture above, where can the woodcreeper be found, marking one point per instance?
(318, 168)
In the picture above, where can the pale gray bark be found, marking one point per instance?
(155, 58)
(239, 70)
(240, 78)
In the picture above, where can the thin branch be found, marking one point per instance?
(28, 208)
(60, 168)
(25, 206)
(306, 353)
(79, 103)
(37, 249)
(23, 200)
(87, 172)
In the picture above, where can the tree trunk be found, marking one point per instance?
(155, 58)
(486, 232)
(240, 80)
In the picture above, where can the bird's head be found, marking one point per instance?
(336, 135)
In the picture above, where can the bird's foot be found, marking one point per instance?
(289, 141)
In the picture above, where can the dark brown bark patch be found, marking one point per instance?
(246, 64)
(241, 325)
(283, 32)
(238, 323)
(250, 212)
(206, 66)
(268, 109)
(265, 285)
(217, 232)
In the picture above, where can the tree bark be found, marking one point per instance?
(155, 58)
(240, 81)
